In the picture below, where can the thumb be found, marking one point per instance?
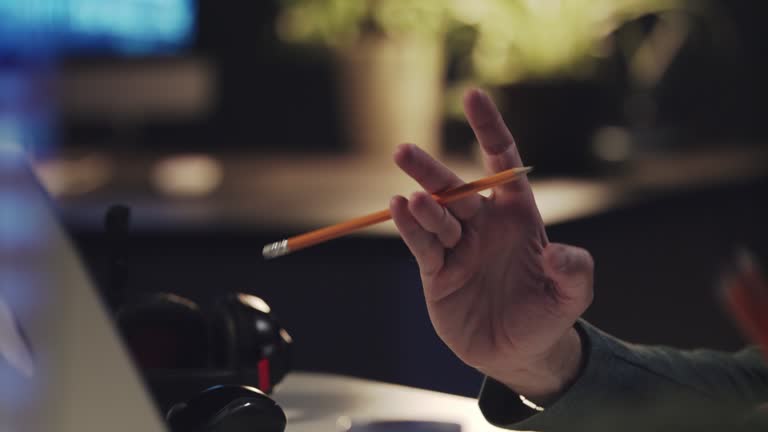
(572, 270)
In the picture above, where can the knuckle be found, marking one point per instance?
(450, 239)
(444, 216)
(451, 231)
(589, 297)
(587, 262)
(572, 259)
(416, 204)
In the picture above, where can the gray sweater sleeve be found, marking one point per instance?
(632, 387)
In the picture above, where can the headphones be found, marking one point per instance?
(220, 359)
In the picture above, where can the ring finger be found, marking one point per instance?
(435, 218)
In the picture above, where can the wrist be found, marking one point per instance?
(544, 380)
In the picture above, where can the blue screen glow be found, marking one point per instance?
(43, 27)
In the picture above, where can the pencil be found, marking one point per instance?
(286, 246)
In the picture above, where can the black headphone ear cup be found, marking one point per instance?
(261, 345)
(223, 337)
(163, 331)
(205, 405)
(227, 408)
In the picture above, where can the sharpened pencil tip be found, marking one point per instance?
(276, 249)
(525, 170)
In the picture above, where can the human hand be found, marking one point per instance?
(498, 293)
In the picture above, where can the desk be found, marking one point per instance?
(314, 402)
(291, 194)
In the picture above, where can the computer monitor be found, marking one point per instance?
(63, 367)
(32, 28)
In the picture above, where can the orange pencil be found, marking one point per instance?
(286, 246)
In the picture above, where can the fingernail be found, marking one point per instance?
(482, 94)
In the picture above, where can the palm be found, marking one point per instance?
(499, 293)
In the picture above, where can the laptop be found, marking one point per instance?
(63, 367)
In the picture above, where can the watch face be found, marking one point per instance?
(399, 426)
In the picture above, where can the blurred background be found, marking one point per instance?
(228, 125)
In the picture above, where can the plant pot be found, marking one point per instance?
(391, 91)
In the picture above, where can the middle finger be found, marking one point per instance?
(435, 177)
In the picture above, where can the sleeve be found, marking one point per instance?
(632, 387)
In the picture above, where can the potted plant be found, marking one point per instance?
(392, 54)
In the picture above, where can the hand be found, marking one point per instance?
(498, 293)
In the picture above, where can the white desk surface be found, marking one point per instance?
(314, 403)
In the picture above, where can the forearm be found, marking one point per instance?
(623, 384)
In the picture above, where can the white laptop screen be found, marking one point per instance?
(62, 366)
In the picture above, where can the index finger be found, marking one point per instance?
(499, 149)
(435, 177)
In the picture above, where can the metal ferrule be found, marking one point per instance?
(276, 249)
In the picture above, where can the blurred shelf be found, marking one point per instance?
(290, 193)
